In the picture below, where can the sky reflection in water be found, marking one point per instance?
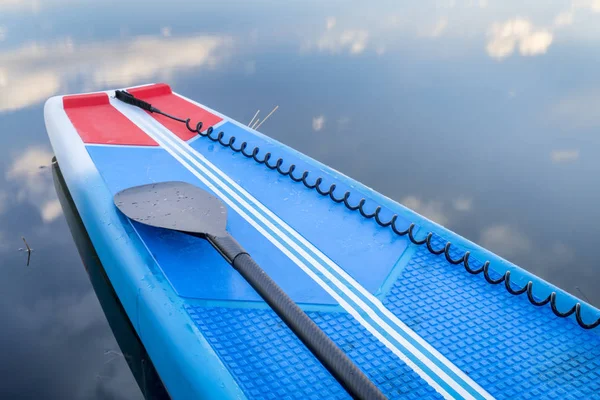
(481, 115)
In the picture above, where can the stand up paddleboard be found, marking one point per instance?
(416, 310)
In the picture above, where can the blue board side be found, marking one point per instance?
(130, 269)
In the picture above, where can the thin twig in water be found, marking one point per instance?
(583, 294)
(26, 245)
(114, 355)
(252, 120)
(28, 250)
(263, 121)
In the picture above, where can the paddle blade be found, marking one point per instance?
(177, 206)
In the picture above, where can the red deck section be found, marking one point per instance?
(161, 97)
(98, 122)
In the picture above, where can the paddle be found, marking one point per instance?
(188, 209)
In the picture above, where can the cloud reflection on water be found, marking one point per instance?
(33, 72)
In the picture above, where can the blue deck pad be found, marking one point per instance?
(196, 271)
(501, 341)
(193, 268)
(363, 249)
(289, 370)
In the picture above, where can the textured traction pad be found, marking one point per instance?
(269, 362)
(496, 338)
(488, 333)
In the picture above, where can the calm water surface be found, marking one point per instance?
(481, 115)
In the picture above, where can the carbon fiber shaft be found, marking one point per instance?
(352, 379)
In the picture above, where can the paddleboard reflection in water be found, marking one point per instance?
(130, 344)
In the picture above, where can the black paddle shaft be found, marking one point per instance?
(188, 209)
(333, 359)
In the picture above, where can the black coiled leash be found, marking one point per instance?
(464, 259)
